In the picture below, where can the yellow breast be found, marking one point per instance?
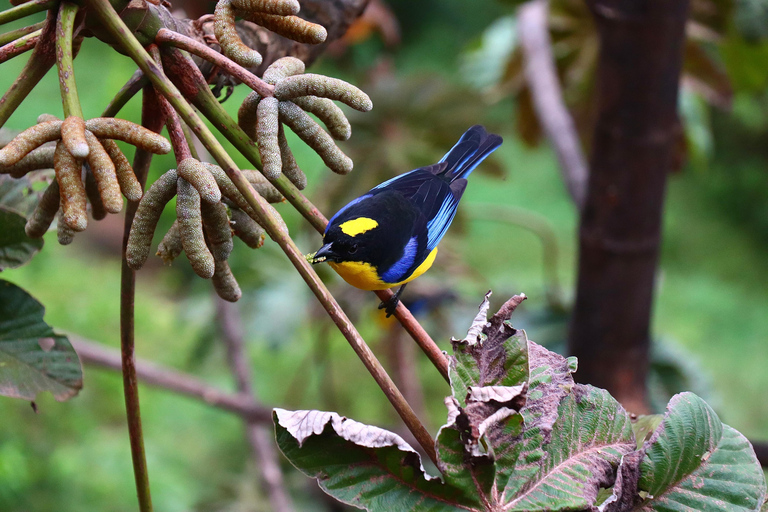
(364, 276)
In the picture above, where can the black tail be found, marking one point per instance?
(471, 149)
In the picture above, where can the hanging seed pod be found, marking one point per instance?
(246, 114)
(147, 214)
(198, 176)
(44, 212)
(129, 184)
(191, 229)
(73, 199)
(98, 211)
(63, 232)
(73, 136)
(292, 27)
(325, 87)
(225, 283)
(290, 167)
(329, 113)
(28, 140)
(229, 40)
(280, 7)
(247, 229)
(170, 247)
(283, 67)
(104, 171)
(262, 185)
(40, 158)
(132, 133)
(314, 136)
(267, 125)
(217, 230)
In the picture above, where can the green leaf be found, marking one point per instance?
(694, 462)
(361, 465)
(32, 357)
(16, 248)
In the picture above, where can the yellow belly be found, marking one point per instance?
(363, 275)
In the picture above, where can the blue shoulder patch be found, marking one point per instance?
(397, 272)
(344, 208)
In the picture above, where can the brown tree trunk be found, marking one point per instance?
(633, 149)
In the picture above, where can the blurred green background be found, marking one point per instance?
(452, 67)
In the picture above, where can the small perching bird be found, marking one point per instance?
(388, 236)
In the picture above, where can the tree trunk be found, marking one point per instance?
(633, 150)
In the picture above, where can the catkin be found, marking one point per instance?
(28, 140)
(44, 212)
(229, 40)
(40, 158)
(292, 27)
(132, 133)
(283, 67)
(198, 176)
(191, 229)
(217, 230)
(73, 136)
(129, 184)
(290, 167)
(280, 7)
(170, 247)
(103, 170)
(247, 229)
(310, 84)
(225, 283)
(262, 185)
(64, 233)
(246, 114)
(317, 138)
(73, 199)
(98, 211)
(267, 125)
(147, 214)
(329, 113)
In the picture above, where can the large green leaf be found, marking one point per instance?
(32, 357)
(694, 462)
(16, 248)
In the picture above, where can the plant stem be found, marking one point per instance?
(126, 92)
(133, 48)
(25, 9)
(64, 60)
(15, 34)
(41, 60)
(178, 140)
(151, 119)
(203, 99)
(187, 43)
(18, 46)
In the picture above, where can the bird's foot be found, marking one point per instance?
(390, 305)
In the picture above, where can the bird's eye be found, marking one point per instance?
(353, 249)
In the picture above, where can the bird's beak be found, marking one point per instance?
(323, 254)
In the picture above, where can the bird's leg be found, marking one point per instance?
(390, 305)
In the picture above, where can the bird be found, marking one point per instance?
(388, 236)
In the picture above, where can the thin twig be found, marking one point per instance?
(25, 9)
(153, 374)
(165, 35)
(172, 123)
(541, 75)
(18, 46)
(260, 438)
(13, 35)
(126, 92)
(65, 26)
(112, 22)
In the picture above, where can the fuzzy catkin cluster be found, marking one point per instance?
(275, 15)
(89, 167)
(296, 94)
(206, 198)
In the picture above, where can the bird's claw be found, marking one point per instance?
(390, 305)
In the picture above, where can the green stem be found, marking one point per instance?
(41, 60)
(152, 119)
(133, 48)
(15, 34)
(19, 46)
(25, 9)
(124, 95)
(64, 60)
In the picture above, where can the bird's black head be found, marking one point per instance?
(352, 240)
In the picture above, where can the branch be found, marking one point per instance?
(152, 374)
(541, 75)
